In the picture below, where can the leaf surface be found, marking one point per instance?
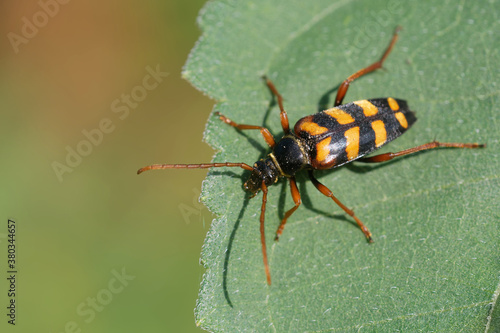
(434, 265)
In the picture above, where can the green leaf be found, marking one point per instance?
(434, 265)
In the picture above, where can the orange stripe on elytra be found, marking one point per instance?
(380, 132)
(393, 104)
(368, 108)
(352, 146)
(323, 149)
(402, 119)
(313, 128)
(340, 116)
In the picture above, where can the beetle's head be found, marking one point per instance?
(263, 171)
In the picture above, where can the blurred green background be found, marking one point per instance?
(76, 232)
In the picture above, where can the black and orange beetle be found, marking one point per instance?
(325, 140)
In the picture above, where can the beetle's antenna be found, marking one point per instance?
(194, 166)
(262, 231)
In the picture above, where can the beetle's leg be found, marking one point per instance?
(262, 232)
(323, 189)
(264, 131)
(430, 145)
(376, 65)
(283, 116)
(296, 198)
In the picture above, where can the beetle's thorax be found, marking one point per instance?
(288, 157)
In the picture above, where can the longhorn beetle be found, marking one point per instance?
(325, 140)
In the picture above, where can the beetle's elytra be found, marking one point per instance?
(325, 140)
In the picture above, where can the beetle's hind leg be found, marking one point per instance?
(376, 65)
(426, 146)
